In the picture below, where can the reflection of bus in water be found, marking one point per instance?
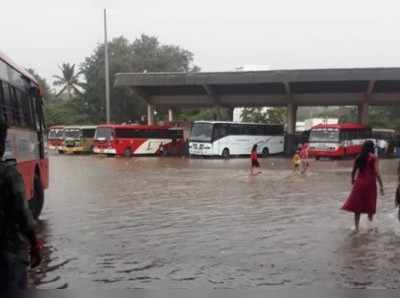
(218, 138)
(133, 139)
(337, 140)
(56, 137)
(79, 139)
(21, 108)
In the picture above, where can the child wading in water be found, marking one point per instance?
(296, 160)
(254, 161)
(305, 164)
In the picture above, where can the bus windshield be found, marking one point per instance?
(56, 134)
(103, 133)
(73, 133)
(202, 132)
(324, 135)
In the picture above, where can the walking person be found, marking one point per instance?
(305, 164)
(397, 195)
(296, 161)
(16, 226)
(254, 161)
(362, 199)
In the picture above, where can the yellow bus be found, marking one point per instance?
(79, 139)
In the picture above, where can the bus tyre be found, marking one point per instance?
(265, 153)
(60, 151)
(128, 152)
(317, 158)
(37, 201)
(226, 154)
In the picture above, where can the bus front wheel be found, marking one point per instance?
(226, 153)
(265, 153)
(37, 201)
(128, 152)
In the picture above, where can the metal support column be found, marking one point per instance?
(150, 115)
(170, 115)
(363, 113)
(291, 129)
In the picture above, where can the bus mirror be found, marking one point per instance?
(36, 92)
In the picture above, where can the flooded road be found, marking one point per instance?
(179, 223)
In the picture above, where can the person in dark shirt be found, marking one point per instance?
(17, 233)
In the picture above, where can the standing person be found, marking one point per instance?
(254, 161)
(304, 158)
(296, 161)
(363, 196)
(16, 226)
(397, 195)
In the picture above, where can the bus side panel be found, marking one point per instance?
(151, 146)
(27, 171)
(44, 172)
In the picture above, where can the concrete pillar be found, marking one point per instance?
(363, 113)
(170, 115)
(291, 118)
(218, 114)
(230, 114)
(150, 115)
(290, 140)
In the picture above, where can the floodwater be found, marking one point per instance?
(177, 223)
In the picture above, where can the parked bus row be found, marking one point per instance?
(119, 140)
(207, 138)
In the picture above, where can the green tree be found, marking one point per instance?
(145, 54)
(68, 81)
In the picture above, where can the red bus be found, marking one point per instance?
(337, 140)
(21, 108)
(56, 138)
(134, 139)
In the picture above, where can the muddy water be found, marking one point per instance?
(178, 223)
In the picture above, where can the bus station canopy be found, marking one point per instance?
(307, 87)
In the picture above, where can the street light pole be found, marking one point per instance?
(107, 71)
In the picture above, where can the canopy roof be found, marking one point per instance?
(306, 87)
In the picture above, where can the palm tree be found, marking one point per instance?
(69, 81)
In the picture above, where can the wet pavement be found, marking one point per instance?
(178, 223)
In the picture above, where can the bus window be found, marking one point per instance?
(202, 132)
(219, 131)
(88, 133)
(105, 133)
(234, 130)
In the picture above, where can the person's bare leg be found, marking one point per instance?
(357, 222)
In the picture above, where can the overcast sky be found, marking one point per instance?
(222, 34)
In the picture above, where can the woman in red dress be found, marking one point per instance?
(364, 193)
(254, 161)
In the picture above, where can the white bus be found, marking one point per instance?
(218, 138)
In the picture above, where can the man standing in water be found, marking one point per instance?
(16, 225)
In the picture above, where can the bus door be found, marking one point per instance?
(39, 122)
(219, 138)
